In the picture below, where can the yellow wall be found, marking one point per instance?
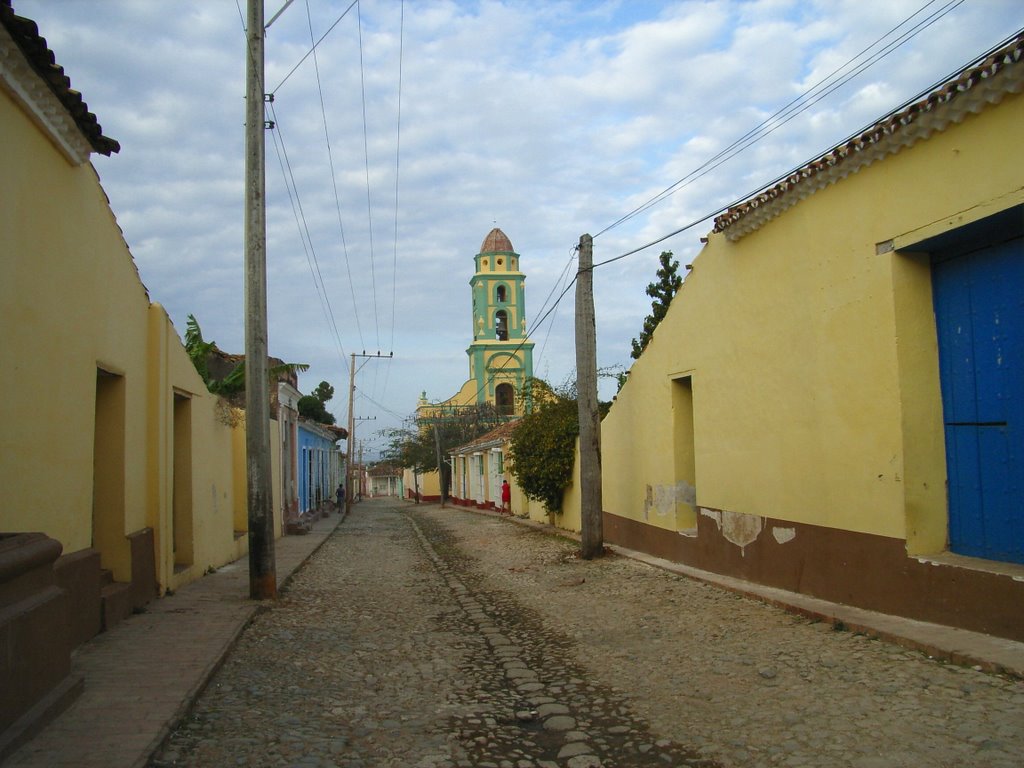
(71, 302)
(811, 355)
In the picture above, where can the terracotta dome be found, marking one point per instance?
(496, 240)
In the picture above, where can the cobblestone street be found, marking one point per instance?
(420, 636)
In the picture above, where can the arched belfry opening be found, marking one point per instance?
(505, 399)
(501, 294)
(501, 325)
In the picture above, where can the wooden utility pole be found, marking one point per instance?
(440, 466)
(349, 490)
(262, 567)
(591, 524)
(351, 434)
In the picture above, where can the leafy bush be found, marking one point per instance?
(543, 444)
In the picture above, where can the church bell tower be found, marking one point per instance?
(501, 355)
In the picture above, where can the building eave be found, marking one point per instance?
(29, 72)
(970, 91)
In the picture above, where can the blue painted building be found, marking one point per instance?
(320, 464)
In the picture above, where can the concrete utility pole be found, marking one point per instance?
(349, 490)
(440, 467)
(262, 567)
(351, 434)
(591, 523)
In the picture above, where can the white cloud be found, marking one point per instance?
(549, 119)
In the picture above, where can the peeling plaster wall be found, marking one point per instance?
(661, 500)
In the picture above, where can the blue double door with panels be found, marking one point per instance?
(979, 313)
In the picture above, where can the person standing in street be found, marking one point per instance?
(506, 498)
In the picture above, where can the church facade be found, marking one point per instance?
(501, 353)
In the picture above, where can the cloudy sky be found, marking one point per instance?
(417, 127)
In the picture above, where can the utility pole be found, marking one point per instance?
(262, 568)
(349, 492)
(591, 523)
(351, 434)
(440, 466)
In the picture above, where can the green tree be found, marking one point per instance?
(199, 351)
(323, 392)
(542, 447)
(416, 446)
(314, 406)
(662, 292)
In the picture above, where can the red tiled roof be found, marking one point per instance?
(496, 240)
(26, 36)
(496, 436)
(969, 91)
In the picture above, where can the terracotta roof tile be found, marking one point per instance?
(495, 241)
(25, 34)
(496, 436)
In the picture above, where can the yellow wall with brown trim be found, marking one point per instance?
(71, 302)
(810, 352)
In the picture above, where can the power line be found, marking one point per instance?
(561, 278)
(311, 258)
(797, 106)
(334, 182)
(310, 51)
(366, 156)
(693, 176)
(398, 157)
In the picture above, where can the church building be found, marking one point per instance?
(500, 354)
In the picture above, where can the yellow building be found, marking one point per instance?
(478, 469)
(833, 403)
(115, 457)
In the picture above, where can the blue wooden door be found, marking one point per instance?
(979, 312)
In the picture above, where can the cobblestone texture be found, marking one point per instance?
(439, 638)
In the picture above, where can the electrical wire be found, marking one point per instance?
(920, 27)
(795, 107)
(310, 51)
(311, 257)
(366, 156)
(398, 158)
(334, 183)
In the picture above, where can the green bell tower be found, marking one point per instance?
(501, 355)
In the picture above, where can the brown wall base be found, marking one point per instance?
(79, 575)
(144, 587)
(49, 605)
(857, 569)
(35, 656)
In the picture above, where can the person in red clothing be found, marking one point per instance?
(506, 498)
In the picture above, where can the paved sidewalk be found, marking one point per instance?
(143, 675)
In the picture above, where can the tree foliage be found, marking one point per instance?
(323, 392)
(662, 292)
(543, 444)
(416, 445)
(199, 351)
(314, 407)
